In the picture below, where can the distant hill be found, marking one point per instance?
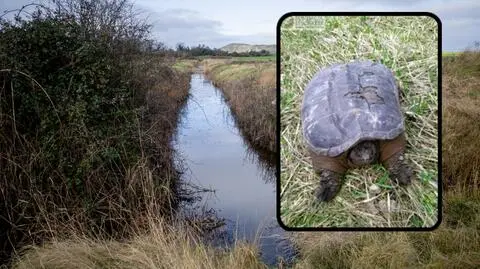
(239, 48)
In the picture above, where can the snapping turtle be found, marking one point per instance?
(351, 118)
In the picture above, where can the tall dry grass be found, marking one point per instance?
(460, 124)
(163, 246)
(249, 88)
(453, 245)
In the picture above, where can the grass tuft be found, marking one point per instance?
(163, 246)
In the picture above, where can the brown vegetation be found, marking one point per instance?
(460, 123)
(124, 176)
(164, 246)
(86, 120)
(249, 88)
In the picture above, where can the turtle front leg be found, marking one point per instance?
(329, 185)
(330, 170)
(399, 171)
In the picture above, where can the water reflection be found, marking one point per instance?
(241, 180)
(264, 159)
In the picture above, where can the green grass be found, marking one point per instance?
(234, 71)
(408, 46)
(450, 53)
(240, 59)
(269, 58)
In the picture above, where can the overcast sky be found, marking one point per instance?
(216, 23)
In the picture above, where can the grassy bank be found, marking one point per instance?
(249, 88)
(453, 245)
(269, 58)
(185, 65)
(412, 55)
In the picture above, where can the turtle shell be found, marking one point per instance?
(347, 103)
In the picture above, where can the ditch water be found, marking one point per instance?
(241, 180)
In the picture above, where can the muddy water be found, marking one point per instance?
(241, 182)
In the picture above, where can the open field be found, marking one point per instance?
(450, 53)
(269, 58)
(412, 55)
(249, 88)
(185, 65)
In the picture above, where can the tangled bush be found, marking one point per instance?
(72, 154)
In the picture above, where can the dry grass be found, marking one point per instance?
(461, 111)
(161, 247)
(453, 245)
(249, 88)
(407, 45)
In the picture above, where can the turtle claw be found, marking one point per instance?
(329, 186)
(326, 193)
(403, 176)
(399, 172)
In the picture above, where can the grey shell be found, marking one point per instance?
(348, 103)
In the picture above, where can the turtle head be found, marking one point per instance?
(364, 153)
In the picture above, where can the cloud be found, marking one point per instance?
(380, 3)
(10, 8)
(460, 24)
(215, 23)
(182, 19)
(457, 10)
(11, 5)
(189, 27)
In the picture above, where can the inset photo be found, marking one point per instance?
(359, 121)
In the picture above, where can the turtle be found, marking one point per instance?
(351, 118)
